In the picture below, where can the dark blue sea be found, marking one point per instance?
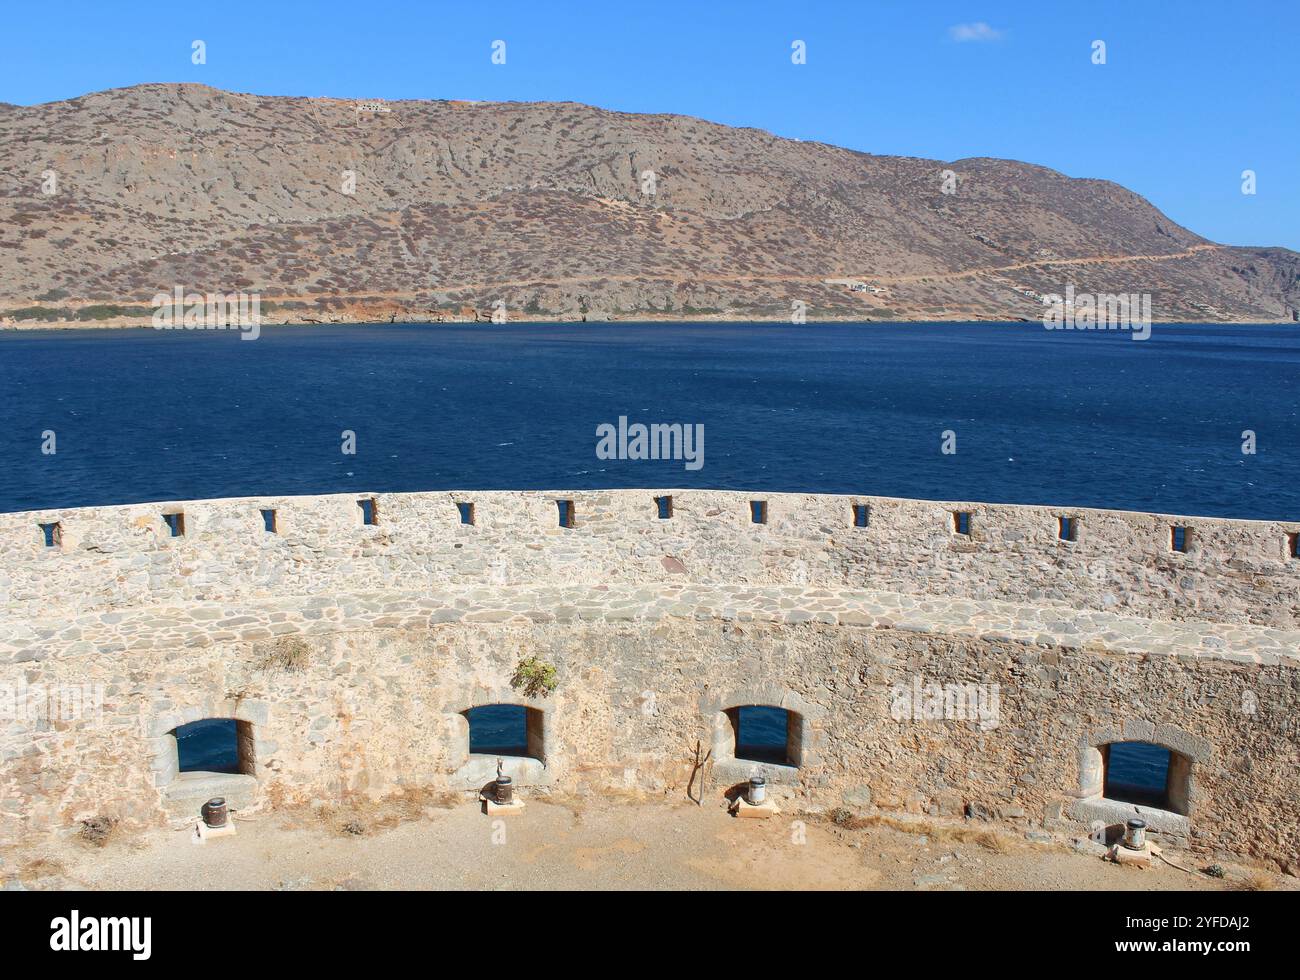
(1063, 418)
(1136, 772)
(498, 729)
(207, 746)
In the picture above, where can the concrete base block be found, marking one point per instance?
(203, 833)
(492, 808)
(1144, 858)
(742, 808)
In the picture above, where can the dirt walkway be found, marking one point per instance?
(605, 845)
(773, 277)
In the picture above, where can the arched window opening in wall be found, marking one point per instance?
(764, 733)
(1146, 775)
(506, 730)
(215, 745)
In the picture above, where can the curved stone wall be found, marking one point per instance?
(1233, 571)
(656, 627)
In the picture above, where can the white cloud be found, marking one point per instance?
(979, 31)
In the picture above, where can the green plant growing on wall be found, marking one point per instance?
(535, 677)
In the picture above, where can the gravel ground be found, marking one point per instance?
(592, 846)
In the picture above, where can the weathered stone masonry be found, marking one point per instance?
(657, 626)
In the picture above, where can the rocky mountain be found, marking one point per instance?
(342, 210)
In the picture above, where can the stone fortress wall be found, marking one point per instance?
(657, 626)
(115, 557)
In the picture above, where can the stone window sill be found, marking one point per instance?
(1112, 812)
(479, 770)
(739, 770)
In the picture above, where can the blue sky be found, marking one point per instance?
(1192, 93)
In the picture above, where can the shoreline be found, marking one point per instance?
(425, 319)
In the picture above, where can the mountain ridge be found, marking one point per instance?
(546, 208)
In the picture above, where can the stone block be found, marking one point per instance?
(1170, 736)
(203, 833)
(743, 809)
(858, 796)
(494, 809)
(1137, 730)
(1145, 857)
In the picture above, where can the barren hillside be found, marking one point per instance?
(546, 207)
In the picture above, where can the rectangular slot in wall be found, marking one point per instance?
(566, 512)
(1293, 545)
(1069, 529)
(961, 522)
(758, 511)
(369, 511)
(466, 511)
(1179, 537)
(175, 524)
(861, 515)
(665, 506)
(268, 520)
(53, 534)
